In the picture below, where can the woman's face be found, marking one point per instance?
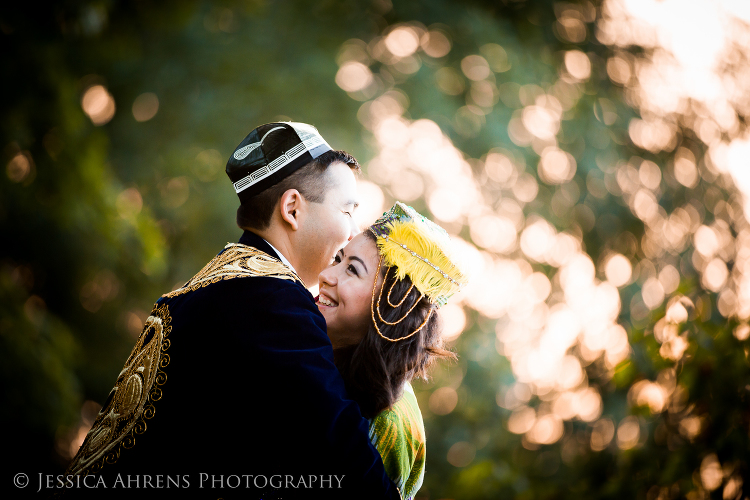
(346, 291)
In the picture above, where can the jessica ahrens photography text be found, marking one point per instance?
(183, 481)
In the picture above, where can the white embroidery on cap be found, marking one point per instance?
(242, 153)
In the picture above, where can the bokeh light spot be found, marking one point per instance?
(98, 104)
(145, 107)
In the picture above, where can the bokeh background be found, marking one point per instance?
(590, 159)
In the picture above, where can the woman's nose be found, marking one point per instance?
(328, 276)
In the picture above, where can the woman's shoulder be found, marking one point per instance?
(398, 434)
(404, 415)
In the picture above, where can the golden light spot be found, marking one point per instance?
(175, 191)
(444, 205)
(669, 277)
(407, 65)
(686, 172)
(656, 135)
(98, 104)
(353, 50)
(571, 29)
(618, 70)
(653, 293)
(710, 472)
(690, 427)
(145, 107)
(536, 239)
(494, 232)
(443, 400)
(35, 309)
(617, 347)
(706, 241)
(742, 332)
(589, 406)
(371, 205)
(496, 56)
(19, 167)
(628, 433)
(129, 203)
(392, 132)
(649, 174)
(134, 321)
(715, 275)
(732, 488)
(676, 313)
(449, 81)
(499, 168)
(353, 76)
(664, 332)
(521, 420)
(461, 454)
(407, 186)
(674, 348)
(541, 121)
(475, 67)
(578, 64)
(208, 163)
(646, 393)
(483, 93)
(645, 205)
(435, 44)
(468, 120)
(539, 285)
(602, 434)
(556, 166)
(103, 287)
(618, 269)
(454, 321)
(402, 41)
(547, 429)
(570, 374)
(526, 188)
(564, 405)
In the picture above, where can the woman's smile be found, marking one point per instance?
(345, 291)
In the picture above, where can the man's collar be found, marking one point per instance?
(251, 239)
(281, 256)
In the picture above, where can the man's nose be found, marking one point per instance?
(353, 229)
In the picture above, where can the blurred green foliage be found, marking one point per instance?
(106, 218)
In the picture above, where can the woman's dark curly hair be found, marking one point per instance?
(375, 370)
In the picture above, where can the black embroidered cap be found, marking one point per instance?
(270, 153)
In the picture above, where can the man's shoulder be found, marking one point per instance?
(238, 263)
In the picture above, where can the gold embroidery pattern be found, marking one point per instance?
(237, 261)
(131, 403)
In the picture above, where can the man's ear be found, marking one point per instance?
(290, 206)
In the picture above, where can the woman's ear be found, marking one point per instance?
(290, 207)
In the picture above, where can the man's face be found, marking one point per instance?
(328, 225)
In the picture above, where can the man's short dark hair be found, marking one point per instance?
(312, 181)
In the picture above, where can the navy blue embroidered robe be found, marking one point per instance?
(233, 375)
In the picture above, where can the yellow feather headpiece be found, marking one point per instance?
(418, 248)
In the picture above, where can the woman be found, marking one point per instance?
(379, 298)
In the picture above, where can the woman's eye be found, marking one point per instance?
(336, 259)
(353, 270)
(348, 213)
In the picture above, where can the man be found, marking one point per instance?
(231, 388)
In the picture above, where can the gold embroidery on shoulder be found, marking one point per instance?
(131, 402)
(237, 261)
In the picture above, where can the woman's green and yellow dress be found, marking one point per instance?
(398, 434)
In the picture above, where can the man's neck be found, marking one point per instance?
(281, 245)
